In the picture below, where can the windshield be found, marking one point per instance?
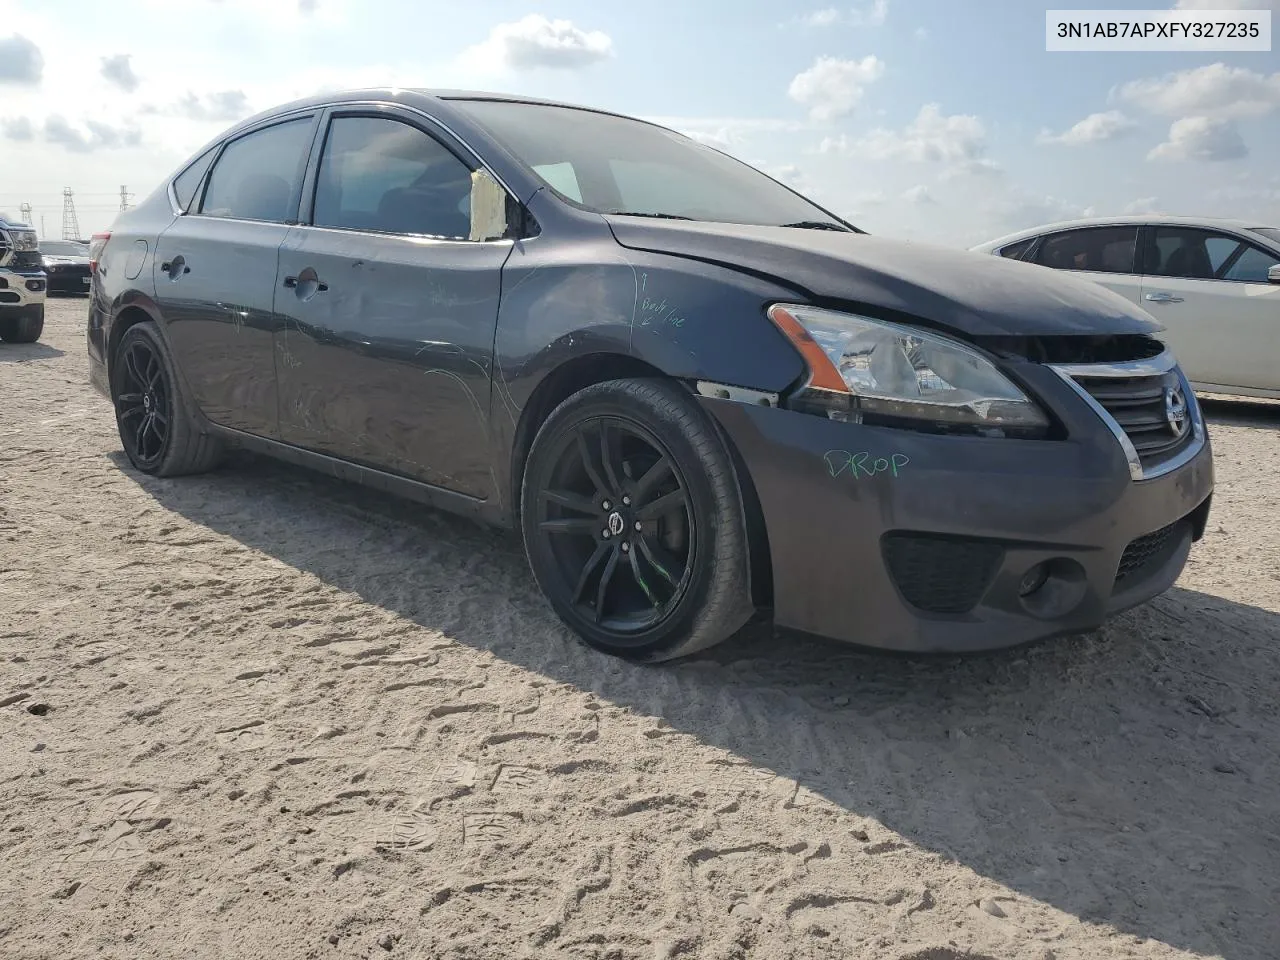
(63, 248)
(613, 164)
(1271, 233)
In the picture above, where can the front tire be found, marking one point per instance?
(24, 329)
(632, 522)
(157, 424)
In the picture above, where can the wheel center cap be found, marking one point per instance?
(616, 523)
(146, 401)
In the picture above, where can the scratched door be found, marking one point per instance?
(386, 311)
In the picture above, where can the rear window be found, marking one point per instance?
(188, 181)
(1017, 250)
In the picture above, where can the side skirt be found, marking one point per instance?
(424, 493)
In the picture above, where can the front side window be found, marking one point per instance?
(1098, 249)
(386, 176)
(611, 164)
(257, 176)
(1251, 266)
(1191, 254)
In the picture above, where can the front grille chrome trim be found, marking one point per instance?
(1155, 366)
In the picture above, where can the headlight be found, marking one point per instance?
(25, 240)
(864, 369)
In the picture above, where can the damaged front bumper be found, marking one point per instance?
(909, 541)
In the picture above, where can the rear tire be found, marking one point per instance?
(633, 523)
(157, 423)
(24, 329)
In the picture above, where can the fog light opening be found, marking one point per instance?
(1033, 579)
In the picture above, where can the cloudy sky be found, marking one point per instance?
(931, 119)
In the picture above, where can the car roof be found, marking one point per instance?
(1155, 219)
(413, 96)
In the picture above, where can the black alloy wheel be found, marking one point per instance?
(143, 406)
(618, 519)
(158, 428)
(632, 521)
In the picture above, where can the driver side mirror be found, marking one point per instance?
(488, 207)
(1273, 275)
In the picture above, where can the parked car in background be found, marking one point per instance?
(66, 264)
(1213, 284)
(22, 283)
(696, 393)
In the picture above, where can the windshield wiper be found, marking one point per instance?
(817, 225)
(659, 216)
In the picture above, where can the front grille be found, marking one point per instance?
(941, 574)
(1146, 550)
(9, 297)
(1139, 405)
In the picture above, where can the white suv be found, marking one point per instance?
(22, 283)
(1213, 284)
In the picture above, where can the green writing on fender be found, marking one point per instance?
(863, 464)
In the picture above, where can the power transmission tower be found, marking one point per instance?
(70, 222)
(124, 198)
(24, 211)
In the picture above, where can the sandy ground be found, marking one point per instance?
(265, 714)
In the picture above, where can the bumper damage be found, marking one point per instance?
(923, 543)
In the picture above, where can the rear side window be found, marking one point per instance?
(189, 180)
(387, 176)
(257, 176)
(1098, 249)
(1191, 254)
(1018, 250)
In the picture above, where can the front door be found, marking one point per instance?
(387, 311)
(215, 275)
(1222, 317)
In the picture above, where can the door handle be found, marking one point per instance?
(175, 267)
(1162, 298)
(306, 284)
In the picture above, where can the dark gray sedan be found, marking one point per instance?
(697, 394)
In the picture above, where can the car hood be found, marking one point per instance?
(968, 293)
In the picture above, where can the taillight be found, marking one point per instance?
(96, 245)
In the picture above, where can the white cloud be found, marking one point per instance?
(1024, 209)
(1215, 90)
(931, 137)
(89, 136)
(725, 132)
(1201, 138)
(21, 62)
(918, 194)
(832, 87)
(868, 15)
(222, 107)
(1143, 205)
(821, 18)
(117, 70)
(534, 41)
(981, 167)
(1095, 128)
(17, 128)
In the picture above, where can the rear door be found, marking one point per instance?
(1222, 317)
(387, 310)
(1105, 255)
(215, 273)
